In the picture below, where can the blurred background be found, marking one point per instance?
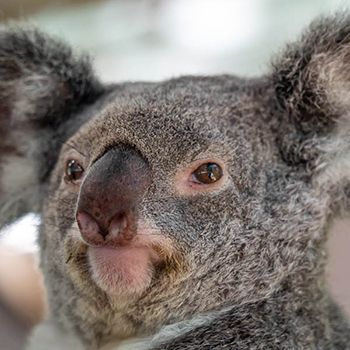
(153, 40)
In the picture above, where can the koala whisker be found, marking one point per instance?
(51, 221)
(69, 258)
(158, 200)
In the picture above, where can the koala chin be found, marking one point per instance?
(191, 213)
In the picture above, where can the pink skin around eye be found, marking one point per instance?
(186, 185)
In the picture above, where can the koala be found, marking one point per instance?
(191, 213)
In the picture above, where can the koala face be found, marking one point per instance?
(144, 162)
(171, 204)
(160, 201)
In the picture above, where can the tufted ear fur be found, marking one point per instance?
(312, 85)
(42, 86)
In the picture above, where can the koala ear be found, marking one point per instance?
(42, 86)
(312, 86)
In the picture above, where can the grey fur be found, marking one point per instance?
(252, 253)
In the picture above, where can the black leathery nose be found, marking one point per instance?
(110, 194)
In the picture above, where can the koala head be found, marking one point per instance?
(164, 200)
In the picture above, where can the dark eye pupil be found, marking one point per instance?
(208, 173)
(73, 171)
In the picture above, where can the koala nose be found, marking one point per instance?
(109, 197)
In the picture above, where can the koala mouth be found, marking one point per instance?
(124, 270)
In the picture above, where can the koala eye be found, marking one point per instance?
(208, 173)
(74, 171)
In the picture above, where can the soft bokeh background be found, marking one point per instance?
(152, 40)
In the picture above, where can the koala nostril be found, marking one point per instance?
(119, 231)
(118, 225)
(88, 226)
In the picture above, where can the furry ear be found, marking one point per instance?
(312, 86)
(42, 86)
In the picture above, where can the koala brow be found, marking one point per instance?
(72, 145)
